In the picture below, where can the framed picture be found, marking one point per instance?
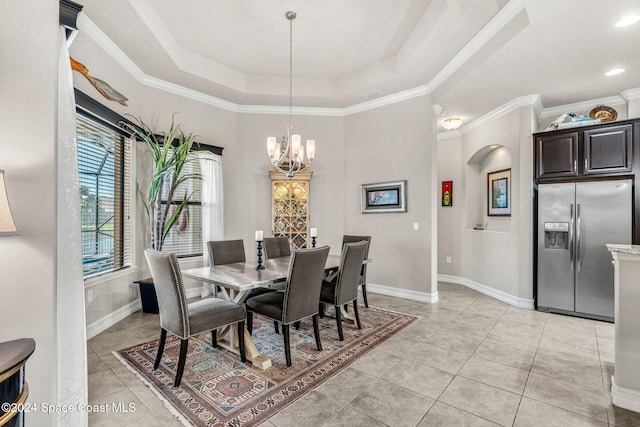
(384, 197)
(447, 193)
(499, 192)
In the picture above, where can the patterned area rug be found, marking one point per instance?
(218, 390)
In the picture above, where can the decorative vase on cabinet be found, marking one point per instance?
(290, 207)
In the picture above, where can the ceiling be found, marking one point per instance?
(471, 55)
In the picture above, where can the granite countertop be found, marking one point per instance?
(625, 249)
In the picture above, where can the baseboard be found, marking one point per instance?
(625, 397)
(402, 293)
(112, 318)
(488, 290)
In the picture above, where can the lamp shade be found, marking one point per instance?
(7, 226)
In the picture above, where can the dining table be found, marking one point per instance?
(236, 281)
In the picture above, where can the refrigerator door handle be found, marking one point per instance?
(571, 245)
(578, 238)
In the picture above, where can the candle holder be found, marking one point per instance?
(313, 242)
(259, 266)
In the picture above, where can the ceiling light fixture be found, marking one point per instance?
(287, 155)
(628, 20)
(614, 72)
(452, 123)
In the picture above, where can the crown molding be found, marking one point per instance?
(296, 111)
(514, 104)
(387, 100)
(631, 94)
(584, 105)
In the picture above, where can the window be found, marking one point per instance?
(185, 237)
(104, 157)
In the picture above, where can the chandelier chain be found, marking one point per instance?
(290, 71)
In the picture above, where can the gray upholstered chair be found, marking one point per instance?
(226, 251)
(363, 271)
(300, 297)
(276, 247)
(186, 320)
(345, 288)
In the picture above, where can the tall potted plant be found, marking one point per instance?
(163, 203)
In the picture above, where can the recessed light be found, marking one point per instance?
(628, 20)
(614, 72)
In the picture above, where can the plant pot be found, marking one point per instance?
(148, 296)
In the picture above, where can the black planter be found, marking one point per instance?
(148, 296)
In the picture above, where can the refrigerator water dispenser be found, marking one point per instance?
(556, 235)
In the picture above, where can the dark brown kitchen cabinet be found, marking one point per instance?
(557, 155)
(586, 152)
(607, 150)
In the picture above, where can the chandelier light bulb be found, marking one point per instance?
(311, 149)
(271, 146)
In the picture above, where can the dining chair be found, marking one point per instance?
(276, 247)
(363, 271)
(300, 297)
(186, 320)
(345, 288)
(228, 252)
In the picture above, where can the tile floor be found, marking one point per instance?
(469, 360)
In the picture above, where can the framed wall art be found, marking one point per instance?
(499, 193)
(384, 197)
(447, 193)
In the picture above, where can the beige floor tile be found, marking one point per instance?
(496, 405)
(311, 410)
(419, 378)
(441, 415)
(455, 341)
(565, 395)
(104, 383)
(521, 359)
(376, 363)
(391, 404)
(569, 370)
(441, 358)
(495, 374)
(345, 386)
(534, 414)
(349, 417)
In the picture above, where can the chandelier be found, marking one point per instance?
(287, 154)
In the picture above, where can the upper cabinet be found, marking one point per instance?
(607, 150)
(581, 153)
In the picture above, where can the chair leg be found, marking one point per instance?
(355, 312)
(214, 338)
(250, 321)
(184, 345)
(321, 309)
(339, 322)
(163, 340)
(243, 353)
(346, 308)
(276, 327)
(296, 325)
(287, 344)
(364, 295)
(316, 332)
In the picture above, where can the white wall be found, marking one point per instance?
(28, 94)
(392, 143)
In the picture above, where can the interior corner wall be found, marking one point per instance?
(393, 143)
(28, 129)
(450, 224)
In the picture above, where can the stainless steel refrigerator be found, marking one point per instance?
(575, 221)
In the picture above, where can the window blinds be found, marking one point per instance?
(104, 165)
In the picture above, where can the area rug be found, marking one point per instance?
(219, 390)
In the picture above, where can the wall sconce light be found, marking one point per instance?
(7, 226)
(452, 123)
